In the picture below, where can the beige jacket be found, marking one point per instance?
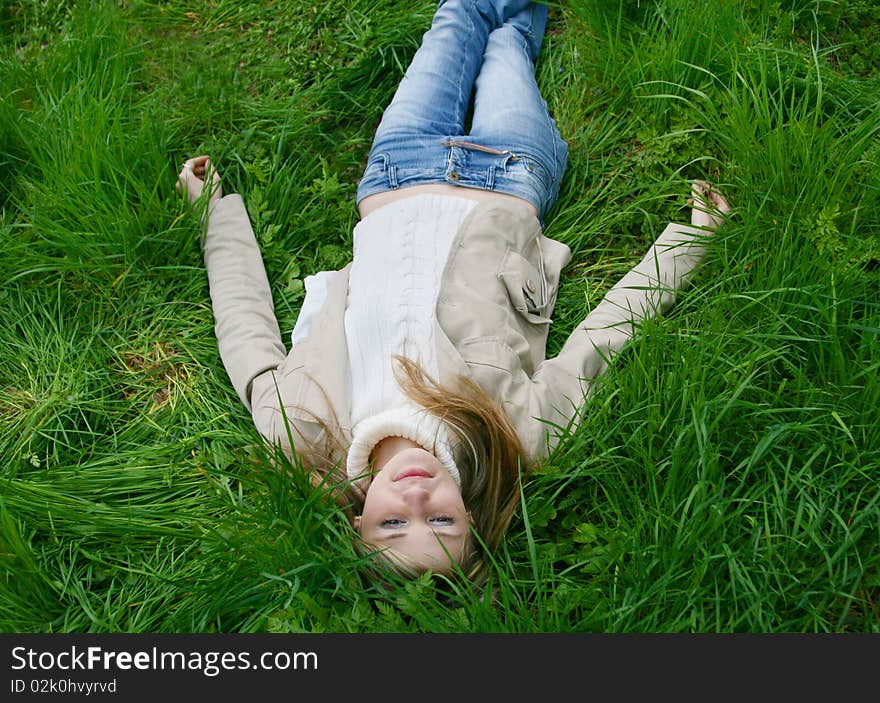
(493, 314)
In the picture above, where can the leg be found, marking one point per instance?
(530, 22)
(509, 112)
(508, 102)
(433, 97)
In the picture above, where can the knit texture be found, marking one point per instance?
(408, 421)
(400, 252)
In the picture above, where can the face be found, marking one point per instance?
(414, 507)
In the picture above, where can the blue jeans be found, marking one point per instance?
(486, 48)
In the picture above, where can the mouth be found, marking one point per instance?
(412, 473)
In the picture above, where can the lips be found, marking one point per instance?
(412, 473)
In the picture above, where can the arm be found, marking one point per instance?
(247, 332)
(559, 385)
(268, 381)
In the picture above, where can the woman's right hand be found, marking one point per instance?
(192, 177)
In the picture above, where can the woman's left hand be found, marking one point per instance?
(193, 176)
(709, 206)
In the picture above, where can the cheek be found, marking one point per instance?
(452, 502)
(374, 502)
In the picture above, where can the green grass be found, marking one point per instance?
(725, 477)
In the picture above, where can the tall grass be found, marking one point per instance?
(725, 476)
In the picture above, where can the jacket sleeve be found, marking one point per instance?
(247, 331)
(559, 386)
(263, 374)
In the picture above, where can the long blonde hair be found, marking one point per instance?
(488, 453)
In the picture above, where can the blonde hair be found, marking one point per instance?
(488, 453)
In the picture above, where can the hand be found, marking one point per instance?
(191, 180)
(709, 206)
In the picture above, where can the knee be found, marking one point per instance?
(497, 12)
(509, 8)
(524, 14)
(507, 36)
(530, 22)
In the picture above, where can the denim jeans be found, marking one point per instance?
(484, 48)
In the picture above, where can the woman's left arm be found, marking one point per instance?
(560, 384)
(650, 288)
(248, 335)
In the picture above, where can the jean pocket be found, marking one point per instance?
(530, 168)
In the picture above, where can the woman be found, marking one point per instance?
(420, 367)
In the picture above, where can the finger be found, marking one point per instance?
(209, 168)
(183, 181)
(698, 201)
(216, 189)
(720, 202)
(197, 173)
(184, 176)
(196, 164)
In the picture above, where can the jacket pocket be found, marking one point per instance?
(526, 287)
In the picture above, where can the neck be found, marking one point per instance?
(387, 448)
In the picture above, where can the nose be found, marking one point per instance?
(416, 495)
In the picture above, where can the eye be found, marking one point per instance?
(392, 522)
(441, 520)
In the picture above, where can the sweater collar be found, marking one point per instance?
(408, 421)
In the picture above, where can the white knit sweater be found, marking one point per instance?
(400, 251)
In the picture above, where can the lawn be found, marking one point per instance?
(725, 476)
